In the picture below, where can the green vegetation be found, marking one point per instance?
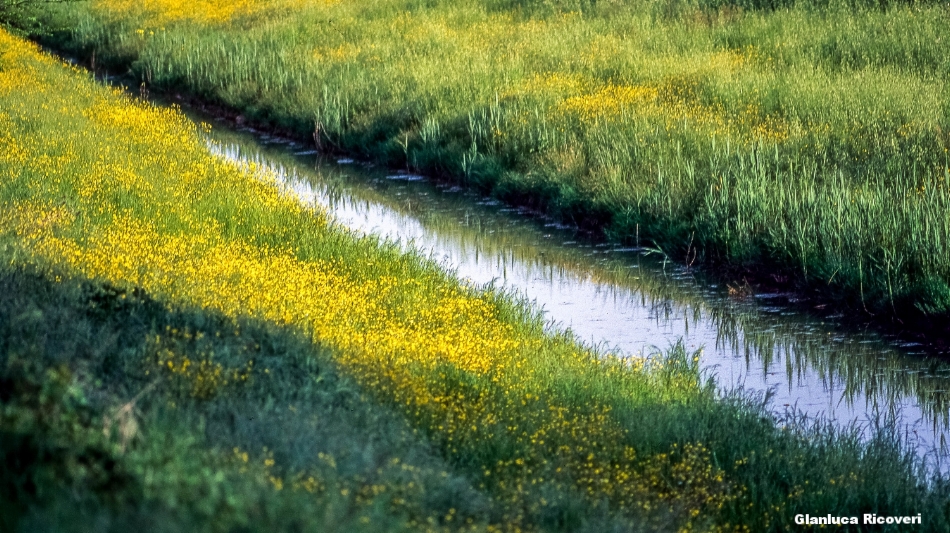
(90, 440)
(184, 344)
(802, 138)
(25, 16)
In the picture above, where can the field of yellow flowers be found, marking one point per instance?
(182, 338)
(802, 138)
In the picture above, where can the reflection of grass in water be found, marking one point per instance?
(131, 223)
(869, 369)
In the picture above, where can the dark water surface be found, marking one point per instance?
(627, 299)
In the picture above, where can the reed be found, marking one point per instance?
(807, 138)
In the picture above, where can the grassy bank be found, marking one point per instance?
(184, 343)
(99, 433)
(802, 139)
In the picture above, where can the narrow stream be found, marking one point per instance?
(627, 300)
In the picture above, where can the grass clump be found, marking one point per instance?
(808, 137)
(169, 314)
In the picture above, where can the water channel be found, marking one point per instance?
(627, 300)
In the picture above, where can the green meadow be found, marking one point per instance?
(779, 140)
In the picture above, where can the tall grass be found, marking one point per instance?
(808, 138)
(139, 265)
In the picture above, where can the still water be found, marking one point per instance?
(629, 300)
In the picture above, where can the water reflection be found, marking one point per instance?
(623, 299)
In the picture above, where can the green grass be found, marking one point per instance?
(162, 313)
(75, 354)
(92, 442)
(803, 138)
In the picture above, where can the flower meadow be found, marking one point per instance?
(805, 139)
(183, 338)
